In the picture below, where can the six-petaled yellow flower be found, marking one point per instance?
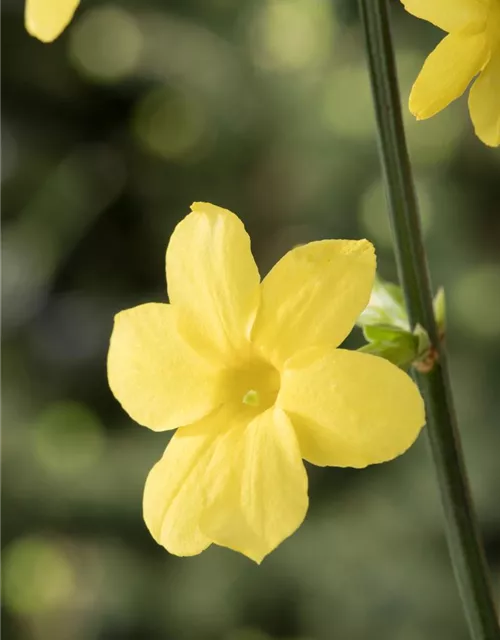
(46, 19)
(252, 375)
(471, 47)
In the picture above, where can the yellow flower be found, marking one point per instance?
(46, 19)
(471, 47)
(251, 373)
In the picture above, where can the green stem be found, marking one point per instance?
(461, 527)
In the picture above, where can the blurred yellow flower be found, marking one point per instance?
(47, 19)
(471, 47)
(251, 373)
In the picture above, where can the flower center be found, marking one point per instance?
(254, 385)
(251, 398)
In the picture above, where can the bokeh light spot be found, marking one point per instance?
(68, 438)
(170, 125)
(289, 35)
(374, 215)
(106, 44)
(476, 301)
(37, 576)
(347, 108)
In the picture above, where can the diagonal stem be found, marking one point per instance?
(464, 543)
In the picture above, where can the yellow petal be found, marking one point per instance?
(213, 279)
(257, 487)
(447, 72)
(158, 379)
(46, 19)
(313, 296)
(350, 409)
(174, 491)
(450, 15)
(484, 103)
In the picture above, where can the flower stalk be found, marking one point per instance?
(462, 532)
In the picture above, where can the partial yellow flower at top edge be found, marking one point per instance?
(47, 19)
(471, 48)
(251, 375)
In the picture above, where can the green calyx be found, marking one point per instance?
(387, 330)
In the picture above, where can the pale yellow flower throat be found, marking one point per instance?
(255, 384)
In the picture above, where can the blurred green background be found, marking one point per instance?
(263, 107)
